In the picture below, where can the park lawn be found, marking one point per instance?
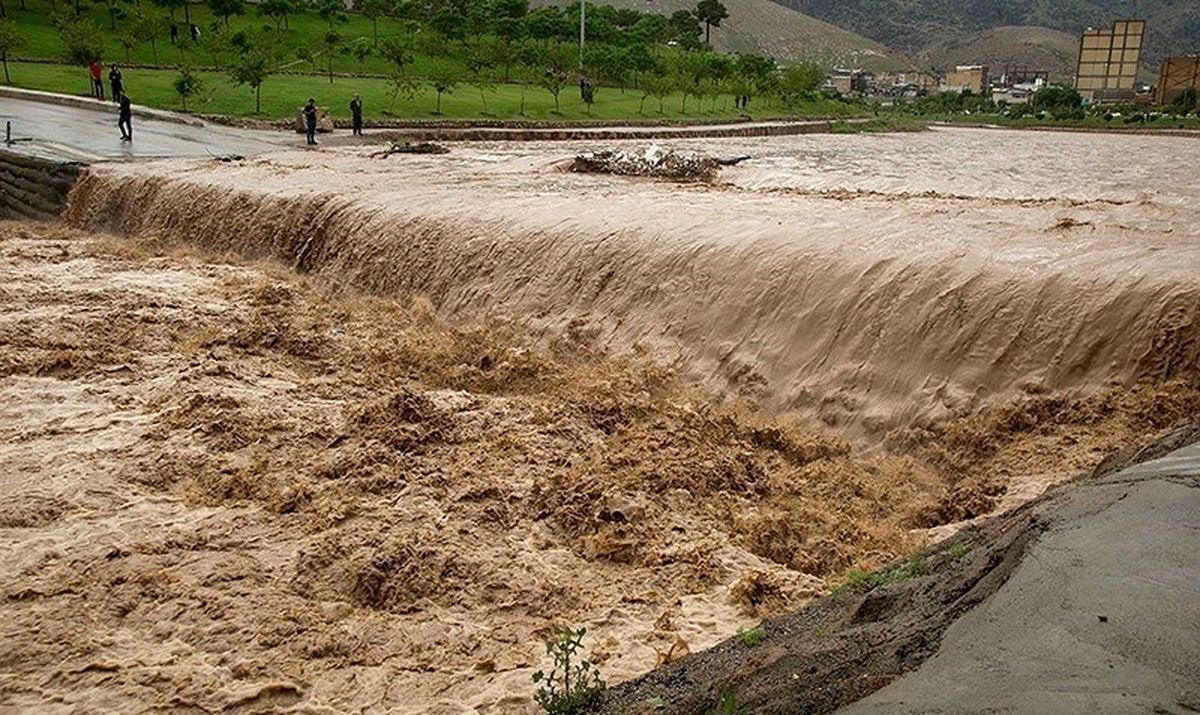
(305, 30)
(282, 95)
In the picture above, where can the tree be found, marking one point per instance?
(225, 9)
(556, 74)
(658, 85)
(10, 41)
(401, 84)
(373, 10)
(799, 81)
(277, 10)
(147, 26)
(480, 60)
(81, 40)
(186, 85)
(711, 13)
(547, 23)
(114, 11)
(685, 28)
(1186, 102)
(444, 78)
(253, 68)
(331, 11)
(330, 41)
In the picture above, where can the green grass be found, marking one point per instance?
(752, 637)
(282, 95)
(858, 581)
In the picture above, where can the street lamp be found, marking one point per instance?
(582, 30)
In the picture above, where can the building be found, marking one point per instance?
(967, 77)
(1012, 96)
(1176, 75)
(1020, 75)
(1108, 61)
(848, 81)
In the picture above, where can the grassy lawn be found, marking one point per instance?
(282, 95)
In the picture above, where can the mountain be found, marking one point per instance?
(917, 26)
(767, 28)
(1033, 47)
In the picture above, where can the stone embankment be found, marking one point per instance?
(34, 188)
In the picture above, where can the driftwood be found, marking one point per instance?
(734, 161)
(650, 161)
(410, 148)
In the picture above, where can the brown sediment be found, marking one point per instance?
(259, 490)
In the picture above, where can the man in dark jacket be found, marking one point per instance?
(310, 120)
(356, 113)
(125, 113)
(114, 79)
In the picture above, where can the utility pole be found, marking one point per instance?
(582, 30)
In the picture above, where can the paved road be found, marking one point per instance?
(79, 134)
(1102, 616)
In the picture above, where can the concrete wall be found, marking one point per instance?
(32, 188)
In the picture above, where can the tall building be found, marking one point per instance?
(1108, 61)
(1176, 76)
(967, 77)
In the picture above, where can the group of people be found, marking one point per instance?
(311, 115)
(117, 85)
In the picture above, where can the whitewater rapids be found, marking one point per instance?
(876, 281)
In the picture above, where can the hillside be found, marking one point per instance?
(767, 28)
(915, 26)
(1033, 47)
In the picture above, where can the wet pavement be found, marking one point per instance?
(82, 134)
(1102, 616)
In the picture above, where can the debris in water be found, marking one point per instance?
(410, 148)
(650, 160)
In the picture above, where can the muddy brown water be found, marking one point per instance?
(322, 431)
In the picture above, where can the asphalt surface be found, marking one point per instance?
(1101, 616)
(83, 134)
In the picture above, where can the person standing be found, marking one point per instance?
(310, 120)
(356, 113)
(114, 81)
(174, 33)
(97, 83)
(124, 117)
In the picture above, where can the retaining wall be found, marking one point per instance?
(33, 188)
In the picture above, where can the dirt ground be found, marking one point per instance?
(232, 488)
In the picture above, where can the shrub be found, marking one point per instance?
(570, 686)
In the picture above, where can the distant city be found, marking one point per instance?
(1106, 73)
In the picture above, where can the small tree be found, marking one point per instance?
(186, 84)
(81, 41)
(556, 74)
(253, 68)
(225, 9)
(401, 85)
(330, 43)
(277, 10)
(444, 77)
(373, 10)
(658, 85)
(574, 683)
(11, 40)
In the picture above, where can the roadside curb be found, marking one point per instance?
(69, 100)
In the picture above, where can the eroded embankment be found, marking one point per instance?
(877, 313)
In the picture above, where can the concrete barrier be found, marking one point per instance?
(33, 188)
